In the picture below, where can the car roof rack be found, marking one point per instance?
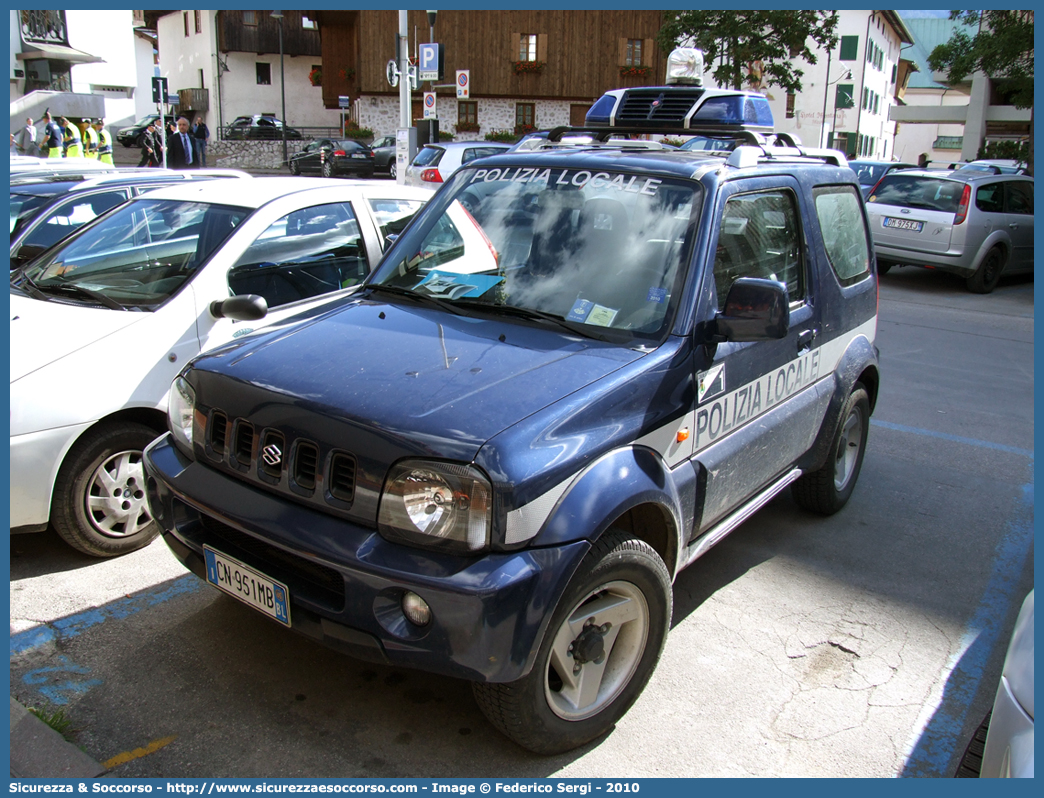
(746, 156)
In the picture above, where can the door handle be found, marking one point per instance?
(805, 339)
(1013, 226)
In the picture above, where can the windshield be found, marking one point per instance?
(601, 252)
(868, 173)
(138, 256)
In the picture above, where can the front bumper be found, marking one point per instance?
(35, 459)
(346, 582)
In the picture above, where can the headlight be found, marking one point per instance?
(180, 406)
(436, 505)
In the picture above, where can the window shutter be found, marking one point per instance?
(849, 48)
(516, 45)
(621, 55)
(541, 47)
(647, 52)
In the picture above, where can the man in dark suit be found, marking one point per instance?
(181, 148)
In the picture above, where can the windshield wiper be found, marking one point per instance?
(534, 315)
(28, 286)
(411, 294)
(73, 288)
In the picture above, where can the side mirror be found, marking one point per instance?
(755, 310)
(245, 307)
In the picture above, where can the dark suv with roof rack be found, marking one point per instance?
(578, 369)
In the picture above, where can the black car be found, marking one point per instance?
(259, 126)
(384, 156)
(331, 157)
(128, 136)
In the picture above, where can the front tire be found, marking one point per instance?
(393, 170)
(988, 274)
(328, 169)
(295, 168)
(99, 505)
(597, 655)
(827, 490)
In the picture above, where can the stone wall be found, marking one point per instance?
(249, 154)
(382, 117)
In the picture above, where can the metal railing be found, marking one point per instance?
(294, 133)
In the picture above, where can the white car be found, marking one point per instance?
(102, 323)
(434, 163)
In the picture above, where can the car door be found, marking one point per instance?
(62, 220)
(763, 391)
(293, 263)
(1018, 212)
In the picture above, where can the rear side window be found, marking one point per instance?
(839, 211)
(990, 198)
(911, 191)
(759, 237)
(428, 156)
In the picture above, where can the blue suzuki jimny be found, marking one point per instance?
(574, 372)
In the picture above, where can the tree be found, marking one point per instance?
(1002, 48)
(738, 39)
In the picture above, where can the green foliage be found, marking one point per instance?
(1008, 150)
(740, 38)
(57, 720)
(1002, 47)
(353, 131)
(501, 135)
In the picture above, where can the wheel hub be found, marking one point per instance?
(589, 645)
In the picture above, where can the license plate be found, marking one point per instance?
(361, 155)
(249, 586)
(903, 224)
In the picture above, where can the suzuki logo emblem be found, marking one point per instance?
(272, 455)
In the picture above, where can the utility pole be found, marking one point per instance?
(404, 70)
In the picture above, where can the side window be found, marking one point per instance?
(990, 198)
(71, 215)
(308, 252)
(839, 209)
(1020, 197)
(393, 215)
(760, 237)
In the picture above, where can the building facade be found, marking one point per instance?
(224, 64)
(528, 69)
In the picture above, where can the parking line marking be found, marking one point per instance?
(138, 753)
(999, 447)
(74, 625)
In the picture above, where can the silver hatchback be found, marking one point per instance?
(974, 224)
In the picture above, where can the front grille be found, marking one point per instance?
(243, 443)
(663, 108)
(304, 578)
(342, 477)
(305, 465)
(218, 433)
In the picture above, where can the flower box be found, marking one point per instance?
(528, 67)
(640, 71)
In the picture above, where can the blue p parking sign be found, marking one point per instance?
(430, 61)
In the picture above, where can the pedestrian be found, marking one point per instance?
(104, 142)
(14, 147)
(90, 142)
(71, 140)
(202, 134)
(25, 139)
(147, 144)
(158, 143)
(181, 148)
(52, 140)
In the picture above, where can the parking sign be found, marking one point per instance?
(463, 84)
(430, 111)
(430, 61)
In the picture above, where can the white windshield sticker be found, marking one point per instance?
(631, 184)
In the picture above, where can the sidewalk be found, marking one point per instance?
(39, 752)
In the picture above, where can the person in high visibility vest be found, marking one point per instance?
(90, 142)
(72, 141)
(52, 141)
(104, 142)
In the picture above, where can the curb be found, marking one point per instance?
(39, 752)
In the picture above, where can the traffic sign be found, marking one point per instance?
(430, 110)
(344, 102)
(159, 89)
(430, 57)
(391, 71)
(463, 84)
